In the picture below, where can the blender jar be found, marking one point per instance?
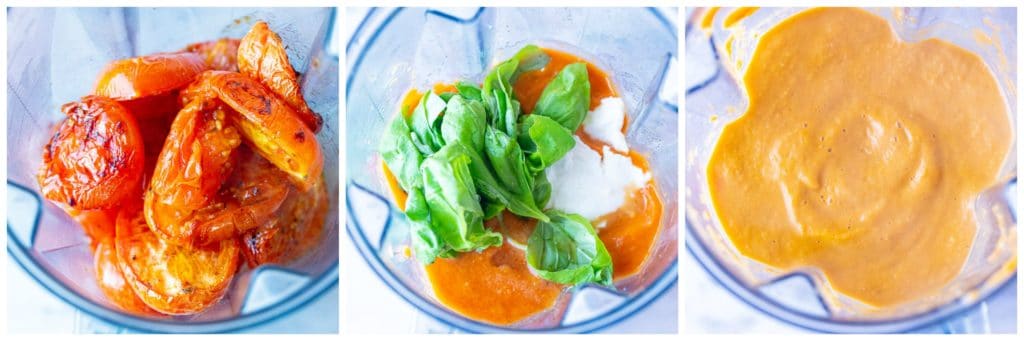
(394, 50)
(54, 56)
(715, 97)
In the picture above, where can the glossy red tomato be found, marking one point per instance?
(261, 56)
(295, 229)
(151, 75)
(172, 279)
(193, 164)
(112, 282)
(95, 158)
(220, 54)
(247, 199)
(271, 127)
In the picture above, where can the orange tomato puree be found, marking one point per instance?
(494, 285)
(860, 155)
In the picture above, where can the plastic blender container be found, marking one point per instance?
(55, 56)
(394, 50)
(715, 97)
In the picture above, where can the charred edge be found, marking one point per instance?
(300, 136)
(266, 106)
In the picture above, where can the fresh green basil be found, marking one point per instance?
(567, 250)
(465, 122)
(496, 91)
(508, 161)
(492, 209)
(425, 122)
(467, 155)
(493, 191)
(541, 189)
(426, 245)
(451, 197)
(529, 58)
(400, 154)
(469, 91)
(566, 98)
(544, 141)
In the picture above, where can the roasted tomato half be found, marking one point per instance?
(172, 279)
(95, 158)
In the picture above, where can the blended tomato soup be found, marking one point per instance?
(860, 155)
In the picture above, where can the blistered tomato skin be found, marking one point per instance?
(268, 124)
(162, 106)
(220, 54)
(295, 228)
(153, 166)
(112, 282)
(170, 278)
(261, 56)
(207, 187)
(195, 161)
(95, 157)
(248, 199)
(150, 75)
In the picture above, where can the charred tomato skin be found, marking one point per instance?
(95, 158)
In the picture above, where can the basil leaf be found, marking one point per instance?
(541, 189)
(508, 162)
(567, 250)
(401, 154)
(464, 121)
(544, 141)
(425, 120)
(445, 96)
(469, 91)
(503, 109)
(492, 209)
(492, 190)
(426, 245)
(566, 98)
(455, 212)
(496, 91)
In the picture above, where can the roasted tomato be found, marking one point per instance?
(247, 199)
(261, 56)
(154, 107)
(220, 54)
(151, 75)
(201, 89)
(112, 282)
(271, 127)
(194, 162)
(97, 224)
(172, 279)
(154, 134)
(95, 158)
(294, 231)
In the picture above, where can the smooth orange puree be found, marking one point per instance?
(496, 285)
(629, 232)
(860, 155)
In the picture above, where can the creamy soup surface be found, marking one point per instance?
(860, 155)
